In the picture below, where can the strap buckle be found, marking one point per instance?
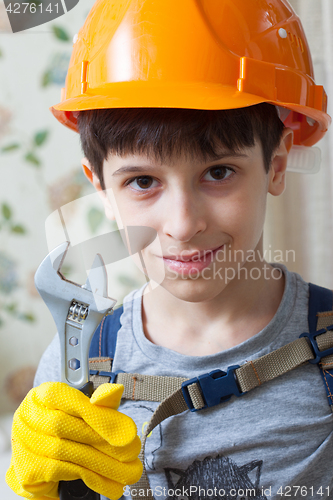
(312, 338)
(101, 373)
(216, 387)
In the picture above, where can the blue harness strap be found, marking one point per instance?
(321, 300)
(105, 337)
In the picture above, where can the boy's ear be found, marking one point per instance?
(92, 177)
(87, 170)
(277, 173)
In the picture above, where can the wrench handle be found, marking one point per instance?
(78, 490)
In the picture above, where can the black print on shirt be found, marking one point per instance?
(217, 472)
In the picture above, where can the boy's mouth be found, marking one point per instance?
(189, 263)
(193, 256)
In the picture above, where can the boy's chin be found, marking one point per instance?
(193, 290)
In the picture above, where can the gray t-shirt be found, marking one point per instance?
(276, 438)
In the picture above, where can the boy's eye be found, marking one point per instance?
(146, 182)
(218, 173)
(141, 183)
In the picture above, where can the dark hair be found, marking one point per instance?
(164, 133)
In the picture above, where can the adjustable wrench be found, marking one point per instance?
(77, 311)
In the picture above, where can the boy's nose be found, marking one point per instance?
(183, 218)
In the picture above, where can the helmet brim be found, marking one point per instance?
(181, 96)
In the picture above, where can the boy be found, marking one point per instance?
(180, 132)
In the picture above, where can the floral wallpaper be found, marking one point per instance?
(40, 172)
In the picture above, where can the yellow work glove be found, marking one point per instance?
(59, 434)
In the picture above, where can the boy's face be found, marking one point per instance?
(208, 216)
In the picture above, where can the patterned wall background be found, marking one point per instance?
(40, 172)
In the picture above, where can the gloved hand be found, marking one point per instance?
(60, 434)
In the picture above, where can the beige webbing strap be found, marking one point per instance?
(173, 405)
(325, 319)
(148, 387)
(250, 375)
(274, 364)
(325, 342)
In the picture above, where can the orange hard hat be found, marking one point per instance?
(195, 54)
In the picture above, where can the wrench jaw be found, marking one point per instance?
(76, 310)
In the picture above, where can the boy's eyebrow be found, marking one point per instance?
(131, 169)
(126, 169)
